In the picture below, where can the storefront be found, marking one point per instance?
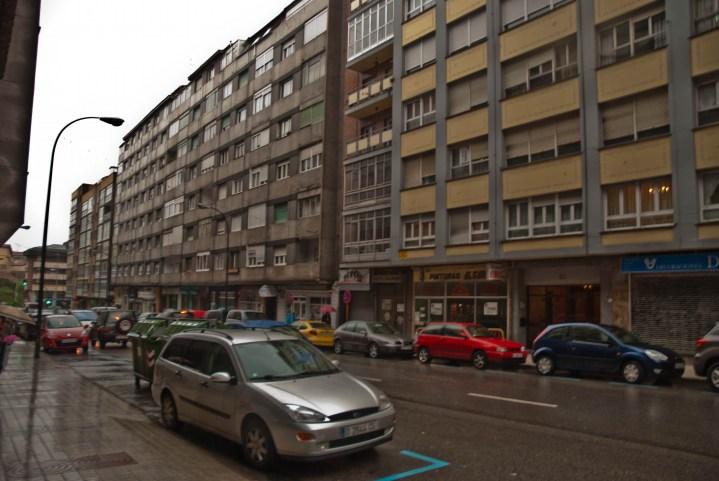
(674, 298)
(476, 293)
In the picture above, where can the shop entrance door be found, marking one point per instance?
(554, 304)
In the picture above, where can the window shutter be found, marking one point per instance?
(652, 111)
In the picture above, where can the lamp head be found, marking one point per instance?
(114, 121)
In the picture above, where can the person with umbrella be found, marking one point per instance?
(326, 311)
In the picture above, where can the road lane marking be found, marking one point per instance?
(433, 465)
(371, 379)
(513, 400)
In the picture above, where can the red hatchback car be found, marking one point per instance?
(466, 342)
(63, 333)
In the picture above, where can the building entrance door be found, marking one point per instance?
(554, 304)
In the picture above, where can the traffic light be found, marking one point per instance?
(48, 301)
(23, 283)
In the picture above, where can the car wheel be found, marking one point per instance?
(479, 360)
(168, 412)
(633, 372)
(423, 355)
(337, 347)
(713, 376)
(257, 444)
(373, 351)
(545, 365)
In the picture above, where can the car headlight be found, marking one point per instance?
(523, 349)
(303, 414)
(501, 349)
(384, 402)
(656, 356)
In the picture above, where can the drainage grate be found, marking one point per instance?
(99, 461)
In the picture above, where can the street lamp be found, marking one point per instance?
(227, 249)
(115, 122)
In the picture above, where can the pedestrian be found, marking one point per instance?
(290, 317)
(326, 318)
(7, 337)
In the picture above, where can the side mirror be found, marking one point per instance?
(335, 363)
(221, 378)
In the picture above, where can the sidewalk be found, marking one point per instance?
(57, 426)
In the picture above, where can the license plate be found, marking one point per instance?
(68, 341)
(358, 429)
(679, 365)
(406, 348)
(517, 355)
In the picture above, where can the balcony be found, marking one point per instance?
(633, 76)
(705, 53)
(370, 32)
(550, 177)
(636, 160)
(369, 251)
(374, 97)
(369, 143)
(557, 99)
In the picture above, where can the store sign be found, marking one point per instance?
(267, 291)
(460, 273)
(703, 262)
(146, 295)
(354, 279)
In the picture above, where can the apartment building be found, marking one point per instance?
(89, 247)
(55, 275)
(231, 179)
(523, 162)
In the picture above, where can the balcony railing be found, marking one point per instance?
(368, 143)
(373, 88)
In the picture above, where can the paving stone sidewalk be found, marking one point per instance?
(57, 425)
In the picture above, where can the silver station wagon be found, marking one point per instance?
(272, 393)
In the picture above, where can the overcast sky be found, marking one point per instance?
(113, 58)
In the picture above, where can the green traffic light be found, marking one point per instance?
(48, 301)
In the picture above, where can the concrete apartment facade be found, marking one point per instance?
(55, 274)
(256, 135)
(549, 160)
(89, 247)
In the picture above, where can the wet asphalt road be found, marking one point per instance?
(492, 425)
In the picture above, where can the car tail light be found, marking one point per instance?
(313, 333)
(700, 343)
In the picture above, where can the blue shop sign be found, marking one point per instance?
(702, 262)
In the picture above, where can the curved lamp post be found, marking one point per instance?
(115, 122)
(227, 250)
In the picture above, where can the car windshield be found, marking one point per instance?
(379, 328)
(319, 325)
(62, 322)
(85, 315)
(479, 331)
(254, 316)
(278, 360)
(623, 335)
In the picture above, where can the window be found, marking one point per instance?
(219, 261)
(241, 114)
(226, 122)
(182, 148)
(312, 114)
(540, 69)
(418, 231)
(281, 212)
(263, 98)
(287, 87)
(288, 48)
(227, 90)
(202, 262)
(313, 69)
(227, 58)
(544, 216)
(236, 223)
(638, 204)
(224, 157)
(209, 132)
(367, 232)
(419, 170)
(282, 170)
(258, 176)
(542, 141)
(708, 102)
(220, 227)
(467, 94)
(415, 7)
(635, 118)
(243, 78)
(236, 186)
(468, 159)
(515, 12)
(263, 62)
(709, 191)
(239, 150)
(207, 164)
(257, 216)
(260, 139)
(469, 225)
(174, 207)
(222, 192)
(256, 256)
(211, 101)
(467, 31)
(280, 255)
(419, 54)
(315, 26)
(308, 207)
(205, 229)
(285, 127)
(706, 15)
(311, 158)
(419, 111)
(368, 179)
(631, 37)
(369, 28)
(173, 181)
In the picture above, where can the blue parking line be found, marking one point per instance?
(434, 464)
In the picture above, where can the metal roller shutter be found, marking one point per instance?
(674, 310)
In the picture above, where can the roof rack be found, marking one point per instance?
(203, 330)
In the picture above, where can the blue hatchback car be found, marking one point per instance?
(597, 348)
